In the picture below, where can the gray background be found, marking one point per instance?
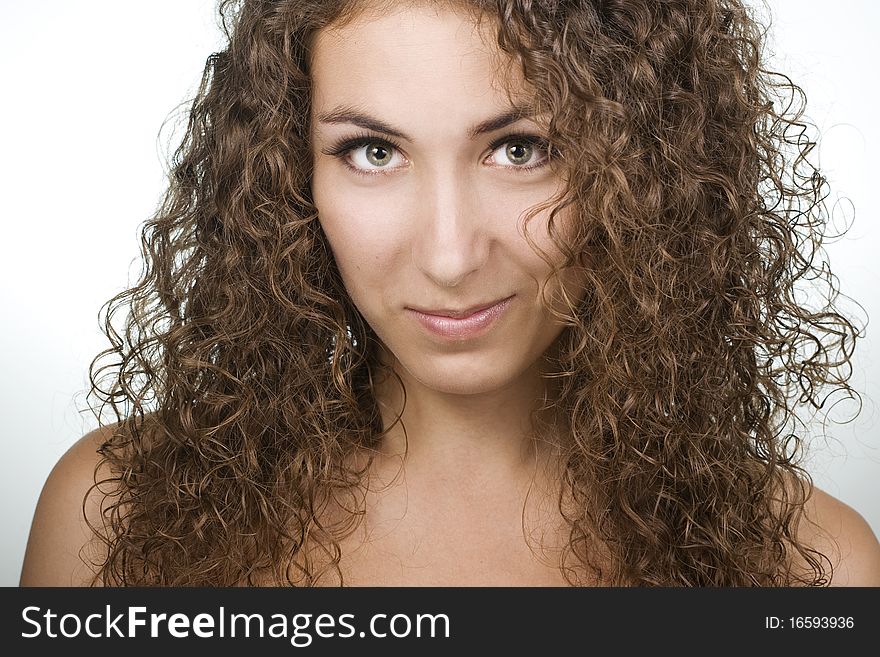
(87, 86)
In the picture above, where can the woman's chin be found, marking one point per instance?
(463, 374)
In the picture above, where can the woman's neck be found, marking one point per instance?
(465, 440)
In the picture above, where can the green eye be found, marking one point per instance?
(522, 152)
(378, 155)
(519, 152)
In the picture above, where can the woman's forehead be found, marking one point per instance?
(438, 62)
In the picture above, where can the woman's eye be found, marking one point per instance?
(520, 154)
(374, 155)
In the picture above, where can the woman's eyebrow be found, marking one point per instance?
(357, 116)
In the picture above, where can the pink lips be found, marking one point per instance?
(461, 327)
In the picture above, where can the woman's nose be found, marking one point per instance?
(450, 233)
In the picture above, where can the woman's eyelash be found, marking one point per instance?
(539, 143)
(360, 140)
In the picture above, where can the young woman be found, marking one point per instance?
(468, 293)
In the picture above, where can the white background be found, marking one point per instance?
(86, 87)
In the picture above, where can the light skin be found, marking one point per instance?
(442, 229)
(435, 222)
(432, 218)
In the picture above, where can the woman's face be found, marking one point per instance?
(421, 179)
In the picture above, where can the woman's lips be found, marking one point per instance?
(461, 328)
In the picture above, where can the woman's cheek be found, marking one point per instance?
(365, 235)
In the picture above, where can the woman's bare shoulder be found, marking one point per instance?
(844, 536)
(60, 540)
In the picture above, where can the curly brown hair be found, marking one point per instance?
(244, 375)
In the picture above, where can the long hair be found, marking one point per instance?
(243, 377)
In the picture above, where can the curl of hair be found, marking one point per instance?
(243, 378)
